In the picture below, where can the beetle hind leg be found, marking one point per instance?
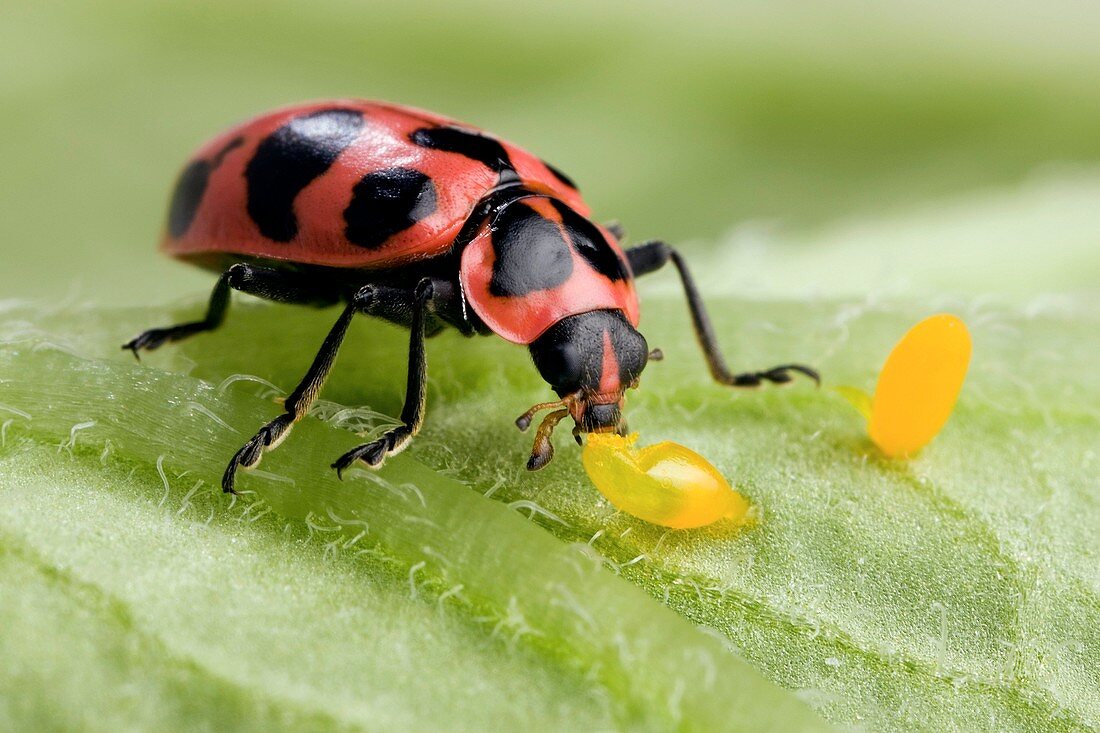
(264, 282)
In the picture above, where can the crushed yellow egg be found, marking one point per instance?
(917, 387)
(666, 483)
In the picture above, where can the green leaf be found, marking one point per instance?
(564, 640)
(126, 606)
(857, 398)
(955, 592)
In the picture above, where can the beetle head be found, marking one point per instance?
(589, 360)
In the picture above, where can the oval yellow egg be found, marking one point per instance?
(666, 484)
(919, 384)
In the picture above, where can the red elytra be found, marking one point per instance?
(222, 225)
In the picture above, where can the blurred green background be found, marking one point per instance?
(777, 133)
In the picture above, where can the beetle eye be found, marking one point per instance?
(560, 366)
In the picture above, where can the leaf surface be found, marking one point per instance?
(954, 592)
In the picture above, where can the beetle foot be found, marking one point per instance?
(775, 375)
(149, 340)
(249, 455)
(373, 454)
(156, 337)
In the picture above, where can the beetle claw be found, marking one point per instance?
(781, 375)
(373, 454)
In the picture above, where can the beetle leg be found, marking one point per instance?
(263, 282)
(412, 414)
(651, 256)
(301, 399)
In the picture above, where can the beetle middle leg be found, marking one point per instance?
(412, 413)
(375, 300)
(650, 256)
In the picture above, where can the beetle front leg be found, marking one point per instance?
(412, 414)
(651, 256)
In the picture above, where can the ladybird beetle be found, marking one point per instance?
(425, 222)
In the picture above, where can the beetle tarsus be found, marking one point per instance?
(775, 375)
(229, 479)
(373, 454)
(252, 452)
(154, 338)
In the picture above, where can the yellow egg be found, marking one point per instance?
(665, 484)
(919, 384)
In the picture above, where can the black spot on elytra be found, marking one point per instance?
(288, 159)
(590, 244)
(386, 202)
(560, 175)
(531, 253)
(481, 148)
(226, 149)
(187, 196)
(191, 187)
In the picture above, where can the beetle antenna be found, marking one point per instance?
(524, 421)
(656, 355)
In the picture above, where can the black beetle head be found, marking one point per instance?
(589, 360)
